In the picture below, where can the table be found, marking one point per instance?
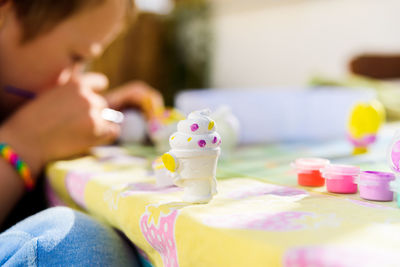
(260, 217)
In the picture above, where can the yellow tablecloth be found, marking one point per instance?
(250, 222)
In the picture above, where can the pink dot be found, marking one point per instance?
(214, 140)
(219, 142)
(194, 127)
(202, 143)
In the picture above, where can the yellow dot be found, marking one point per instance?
(211, 125)
(189, 139)
(172, 138)
(169, 162)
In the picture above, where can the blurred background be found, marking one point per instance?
(262, 45)
(168, 45)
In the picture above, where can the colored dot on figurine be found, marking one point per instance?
(194, 127)
(169, 162)
(219, 142)
(202, 143)
(189, 139)
(211, 125)
(172, 138)
(214, 140)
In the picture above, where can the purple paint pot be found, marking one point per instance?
(375, 185)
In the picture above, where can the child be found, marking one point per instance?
(50, 109)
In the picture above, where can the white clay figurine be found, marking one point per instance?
(193, 157)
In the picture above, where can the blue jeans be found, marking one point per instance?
(63, 237)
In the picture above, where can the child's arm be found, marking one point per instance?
(11, 189)
(63, 122)
(12, 184)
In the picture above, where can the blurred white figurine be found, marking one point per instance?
(193, 157)
(161, 127)
(228, 129)
(133, 128)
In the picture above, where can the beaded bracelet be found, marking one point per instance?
(19, 165)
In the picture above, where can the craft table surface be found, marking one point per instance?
(260, 217)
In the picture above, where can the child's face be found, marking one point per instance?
(48, 60)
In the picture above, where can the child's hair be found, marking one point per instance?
(40, 16)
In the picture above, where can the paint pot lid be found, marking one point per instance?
(377, 176)
(339, 169)
(309, 164)
(393, 155)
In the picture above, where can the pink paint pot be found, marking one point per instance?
(375, 185)
(341, 178)
(308, 173)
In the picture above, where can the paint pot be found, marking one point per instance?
(308, 171)
(375, 185)
(395, 187)
(341, 178)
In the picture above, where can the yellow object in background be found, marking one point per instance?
(366, 118)
(171, 115)
(364, 123)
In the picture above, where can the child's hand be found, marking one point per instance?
(137, 94)
(62, 122)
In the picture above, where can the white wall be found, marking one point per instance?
(266, 43)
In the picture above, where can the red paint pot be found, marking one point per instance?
(308, 171)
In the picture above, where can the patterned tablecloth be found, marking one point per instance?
(260, 217)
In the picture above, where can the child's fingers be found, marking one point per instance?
(153, 105)
(109, 132)
(137, 94)
(94, 81)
